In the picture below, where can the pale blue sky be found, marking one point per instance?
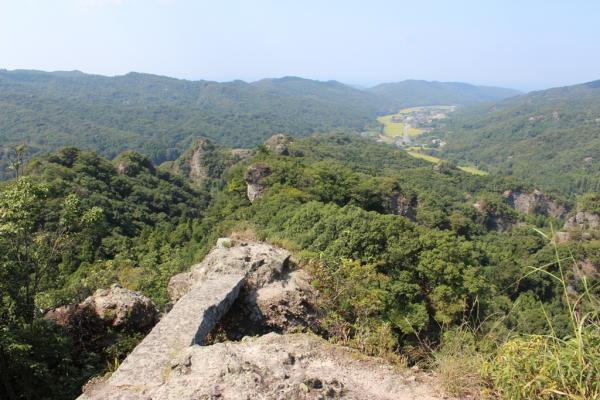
(526, 44)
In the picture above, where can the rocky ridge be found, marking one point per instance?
(177, 360)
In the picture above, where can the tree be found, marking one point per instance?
(30, 249)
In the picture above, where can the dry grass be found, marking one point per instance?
(458, 365)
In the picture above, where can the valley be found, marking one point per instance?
(405, 128)
(299, 200)
(551, 137)
(155, 247)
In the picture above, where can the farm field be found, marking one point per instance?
(396, 129)
(432, 159)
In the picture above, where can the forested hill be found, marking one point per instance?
(412, 93)
(551, 137)
(162, 116)
(402, 252)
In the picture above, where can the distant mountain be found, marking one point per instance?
(550, 136)
(411, 93)
(161, 116)
(330, 91)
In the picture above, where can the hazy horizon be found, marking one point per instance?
(350, 84)
(530, 46)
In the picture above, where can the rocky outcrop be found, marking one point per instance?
(297, 366)
(279, 144)
(177, 361)
(534, 202)
(116, 307)
(101, 319)
(255, 180)
(282, 302)
(401, 205)
(266, 260)
(273, 366)
(274, 297)
(583, 220)
(197, 170)
(203, 161)
(189, 322)
(191, 164)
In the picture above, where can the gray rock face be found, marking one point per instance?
(198, 172)
(255, 179)
(211, 289)
(174, 362)
(264, 261)
(279, 300)
(583, 220)
(401, 205)
(116, 307)
(273, 298)
(279, 144)
(295, 366)
(190, 320)
(534, 203)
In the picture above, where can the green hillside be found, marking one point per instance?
(412, 93)
(162, 116)
(551, 137)
(402, 252)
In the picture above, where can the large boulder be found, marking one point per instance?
(275, 296)
(534, 202)
(279, 144)
(583, 220)
(255, 180)
(116, 307)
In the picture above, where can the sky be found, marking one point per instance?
(525, 44)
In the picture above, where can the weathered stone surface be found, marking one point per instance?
(116, 307)
(534, 202)
(401, 205)
(173, 362)
(274, 299)
(190, 320)
(255, 179)
(209, 291)
(279, 144)
(583, 220)
(297, 366)
(586, 268)
(198, 171)
(263, 262)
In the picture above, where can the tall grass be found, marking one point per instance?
(549, 366)
(473, 364)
